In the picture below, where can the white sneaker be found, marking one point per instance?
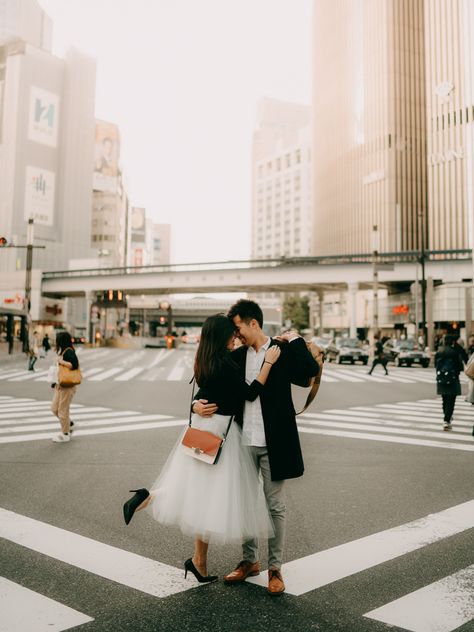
(61, 438)
(447, 426)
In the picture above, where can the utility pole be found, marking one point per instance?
(29, 265)
(375, 273)
(421, 259)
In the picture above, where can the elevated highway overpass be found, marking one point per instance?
(269, 275)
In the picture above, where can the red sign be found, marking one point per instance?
(400, 309)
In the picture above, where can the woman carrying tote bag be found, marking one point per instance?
(65, 388)
(220, 501)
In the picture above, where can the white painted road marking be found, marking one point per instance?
(123, 567)
(103, 376)
(325, 567)
(129, 374)
(23, 610)
(441, 607)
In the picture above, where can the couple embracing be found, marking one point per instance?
(227, 502)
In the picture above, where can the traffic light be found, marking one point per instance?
(3, 242)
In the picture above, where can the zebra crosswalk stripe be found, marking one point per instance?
(31, 420)
(442, 606)
(401, 423)
(326, 567)
(24, 609)
(128, 569)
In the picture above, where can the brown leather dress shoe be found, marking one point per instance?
(242, 571)
(276, 585)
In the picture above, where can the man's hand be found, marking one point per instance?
(203, 408)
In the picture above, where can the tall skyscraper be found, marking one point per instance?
(369, 125)
(449, 36)
(281, 189)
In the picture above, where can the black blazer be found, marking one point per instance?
(294, 366)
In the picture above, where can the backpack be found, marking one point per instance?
(446, 374)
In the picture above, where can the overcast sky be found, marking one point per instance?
(182, 79)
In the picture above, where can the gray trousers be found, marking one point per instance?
(276, 506)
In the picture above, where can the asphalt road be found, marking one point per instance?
(376, 459)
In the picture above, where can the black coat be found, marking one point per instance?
(295, 365)
(449, 352)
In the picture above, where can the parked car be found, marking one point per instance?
(347, 350)
(322, 342)
(406, 353)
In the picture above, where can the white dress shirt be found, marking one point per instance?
(253, 432)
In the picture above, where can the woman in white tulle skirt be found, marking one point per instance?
(218, 503)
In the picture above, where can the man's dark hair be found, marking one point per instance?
(246, 310)
(449, 340)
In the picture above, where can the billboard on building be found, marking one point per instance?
(107, 149)
(39, 195)
(43, 118)
(138, 225)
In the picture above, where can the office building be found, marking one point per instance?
(369, 125)
(161, 244)
(110, 201)
(449, 63)
(281, 190)
(25, 20)
(46, 153)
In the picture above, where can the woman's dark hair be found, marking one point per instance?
(246, 310)
(212, 350)
(63, 341)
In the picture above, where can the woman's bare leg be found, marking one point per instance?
(200, 556)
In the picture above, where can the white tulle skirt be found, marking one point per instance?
(216, 503)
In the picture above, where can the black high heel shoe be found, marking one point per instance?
(189, 566)
(135, 501)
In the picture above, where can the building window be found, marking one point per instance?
(298, 156)
(269, 166)
(278, 164)
(288, 160)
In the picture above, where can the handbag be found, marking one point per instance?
(68, 377)
(469, 370)
(52, 376)
(201, 444)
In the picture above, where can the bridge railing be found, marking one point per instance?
(364, 258)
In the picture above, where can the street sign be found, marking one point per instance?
(384, 267)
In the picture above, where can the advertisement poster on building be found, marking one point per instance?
(39, 195)
(138, 257)
(107, 148)
(138, 225)
(43, 119)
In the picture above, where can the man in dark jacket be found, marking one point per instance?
(268, 428)
(448, 365)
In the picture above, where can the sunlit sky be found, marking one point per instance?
(182, 79)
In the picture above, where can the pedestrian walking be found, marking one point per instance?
(46, 344)
(33, 351)
(221, 502)
(269, 430)
(469, 371)
(379, 356)
(63, 395)
(448, 364)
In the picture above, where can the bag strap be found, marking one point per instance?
(66, 349)
(193, 382)
(312, 393)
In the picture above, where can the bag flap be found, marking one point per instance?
(205, 441)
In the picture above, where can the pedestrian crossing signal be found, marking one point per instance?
(3, 242)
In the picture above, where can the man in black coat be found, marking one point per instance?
(449, 364)
(268, 428)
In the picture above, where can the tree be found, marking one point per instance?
(296, 309)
